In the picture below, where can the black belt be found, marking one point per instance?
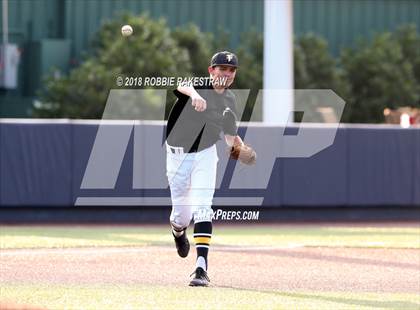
(181, 150)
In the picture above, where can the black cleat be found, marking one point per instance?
(200, 278)
(182, 244)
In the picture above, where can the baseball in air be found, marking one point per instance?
(126, 30)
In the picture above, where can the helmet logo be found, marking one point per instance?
(229, 57)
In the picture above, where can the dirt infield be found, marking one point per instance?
(266, 268)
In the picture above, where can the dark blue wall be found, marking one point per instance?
(42, 164)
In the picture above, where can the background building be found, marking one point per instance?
(57, 33)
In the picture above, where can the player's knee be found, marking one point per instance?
(180, 222)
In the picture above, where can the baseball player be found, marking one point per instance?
(195, 123)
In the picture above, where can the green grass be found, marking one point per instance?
(159, 297)
(251, 235)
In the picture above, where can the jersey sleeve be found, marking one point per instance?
(229, 122)
(180, 95)
(231, 103)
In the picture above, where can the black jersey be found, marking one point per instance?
(196, 131)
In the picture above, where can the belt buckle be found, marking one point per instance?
(177, 150)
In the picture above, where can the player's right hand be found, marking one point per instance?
(198, 103)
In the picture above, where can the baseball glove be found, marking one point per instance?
(244, 153)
